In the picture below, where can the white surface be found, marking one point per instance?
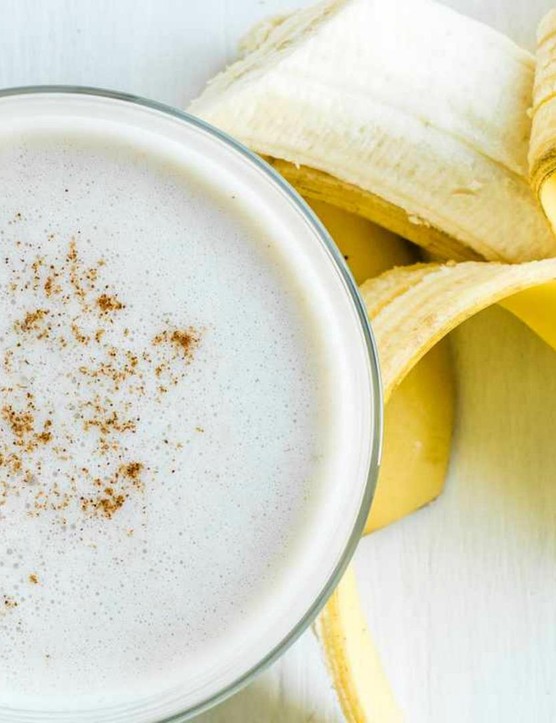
(460, 596)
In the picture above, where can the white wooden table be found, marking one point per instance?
(461, 597)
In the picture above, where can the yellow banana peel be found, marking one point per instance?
(350, 99)
(412, 309)
(354, 665)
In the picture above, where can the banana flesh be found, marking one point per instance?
(412, 308)
(418, 427)
(404, 111)
(443, 296)
(536, 307)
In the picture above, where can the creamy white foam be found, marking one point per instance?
(169, 421)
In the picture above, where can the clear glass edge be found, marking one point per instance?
(377, 411)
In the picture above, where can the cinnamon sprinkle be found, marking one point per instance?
(21, 423)
(107, 303)
(71, 304)
(32, 320)
(184, 340)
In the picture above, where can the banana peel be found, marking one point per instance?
(412, 309)
(361, 684)
(419, 418)
(536, 308)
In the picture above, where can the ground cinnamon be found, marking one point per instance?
(73, 306)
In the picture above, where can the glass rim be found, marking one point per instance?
(377, 416)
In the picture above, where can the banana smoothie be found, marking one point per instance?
(173, 431)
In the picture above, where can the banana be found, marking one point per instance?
(418, 419)
(412, 309)
(402, 111)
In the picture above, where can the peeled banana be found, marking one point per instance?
(402, 111)
(363, 689)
